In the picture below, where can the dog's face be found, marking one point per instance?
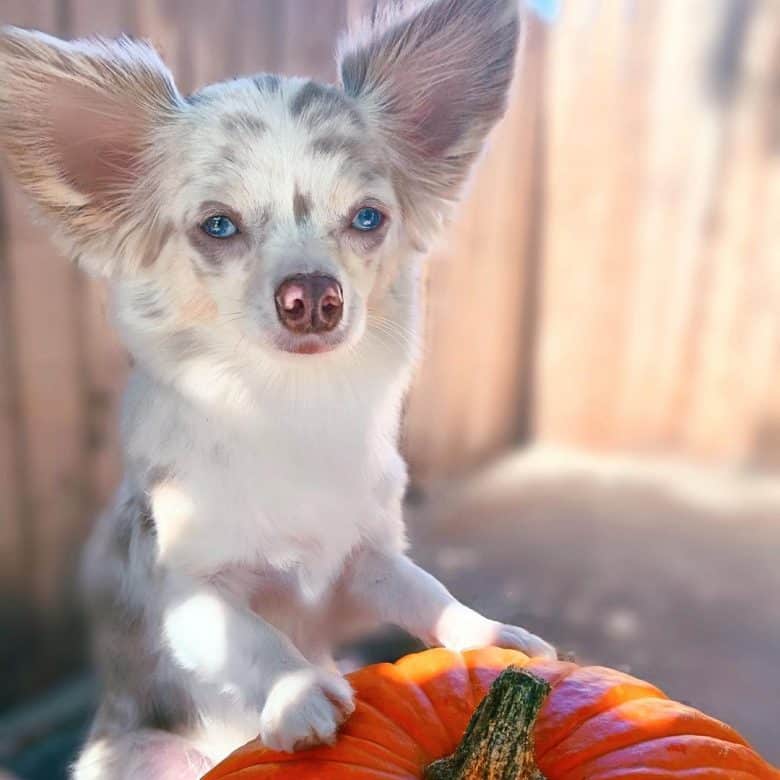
(265, 214)
(283, 223)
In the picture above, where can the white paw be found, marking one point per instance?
(305, 708)
(516, 638)
(461, 628)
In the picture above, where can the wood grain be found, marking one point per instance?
(660, 322)
(44, 386)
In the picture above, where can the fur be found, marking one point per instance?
(259, 521)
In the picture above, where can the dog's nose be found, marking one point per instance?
(309, 303)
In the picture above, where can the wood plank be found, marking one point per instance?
(311, 36)
(17, 532)
(469, 397)
(160, 21)
(15, 542)
(258, 36)
(764, 444)
(247, 41)
(50, 422)
(680, 150)
(730, 413)
(596, 134)
(209, 43)
(660, 305)
(44, 299)
(356, 9)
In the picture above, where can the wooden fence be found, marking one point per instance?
(613, 280)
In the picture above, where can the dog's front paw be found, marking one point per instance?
(461, 628)
(305, 708)
(516, 638)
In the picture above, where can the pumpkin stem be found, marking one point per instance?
(498, 743)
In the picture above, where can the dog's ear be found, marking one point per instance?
(79, 125)
(433, 79)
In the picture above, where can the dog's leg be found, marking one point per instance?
(395, 590)
(232, 649)
(140, 755)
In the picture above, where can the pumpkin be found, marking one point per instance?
(495, 714)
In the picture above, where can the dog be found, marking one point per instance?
(263, 241)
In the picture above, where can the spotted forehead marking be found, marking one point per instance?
(259, 121)
(302, 206)
(227, 154)
(316, 104)
(268, 83)
(242, 123)
(329, 145)
(358, 158)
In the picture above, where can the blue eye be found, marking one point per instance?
(219, 226)
(368, 218)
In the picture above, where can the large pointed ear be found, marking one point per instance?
(433, 77)
(79, 126)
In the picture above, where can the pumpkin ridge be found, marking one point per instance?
(699, 773)
(357, 755)
(402, 763)
(413, 683)
(393, 758)
(643, 690)
(457, 667)
(694, 726)
(387, 683)
(557, 682)
(482, 660)
(359, 752)
(370, 754)
(433, 707)
(550, 748)
(745, 758)
(535, 669)
(252, 772)
(396, 727)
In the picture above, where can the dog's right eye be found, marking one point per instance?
(219, 226)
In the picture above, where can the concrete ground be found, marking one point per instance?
(668, 572)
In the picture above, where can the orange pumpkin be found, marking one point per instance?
(541, 719)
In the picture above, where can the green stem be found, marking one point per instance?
(498, 743)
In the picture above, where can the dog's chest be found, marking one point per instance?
(278, 498)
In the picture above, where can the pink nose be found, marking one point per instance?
(309, 303)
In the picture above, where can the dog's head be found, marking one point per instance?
(265, 213)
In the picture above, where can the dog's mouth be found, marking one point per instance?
(308, 344)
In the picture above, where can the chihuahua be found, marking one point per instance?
(262, 241)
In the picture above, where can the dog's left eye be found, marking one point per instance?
(219, 226)
(368, 218)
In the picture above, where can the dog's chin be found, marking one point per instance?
(308, 344)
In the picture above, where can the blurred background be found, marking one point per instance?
(594, 434)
